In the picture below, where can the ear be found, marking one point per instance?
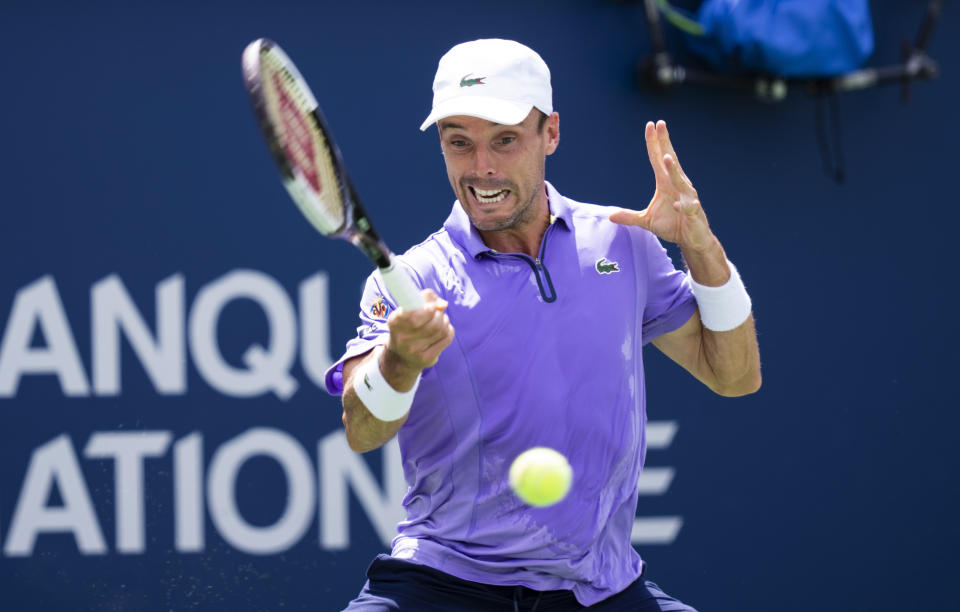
(551, 130)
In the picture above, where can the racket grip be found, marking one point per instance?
(401, 287)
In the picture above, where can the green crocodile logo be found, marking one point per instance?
(605, 266)
(465, 82)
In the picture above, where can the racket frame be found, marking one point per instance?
(356, 227)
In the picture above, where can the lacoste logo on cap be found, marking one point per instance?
(605, 266)
(465, 82)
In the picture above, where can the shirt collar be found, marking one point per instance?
(462, 232)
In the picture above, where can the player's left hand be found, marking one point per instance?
(674, 213)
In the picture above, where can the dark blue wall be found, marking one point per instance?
(129, 149)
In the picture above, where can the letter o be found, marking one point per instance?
(221, 486)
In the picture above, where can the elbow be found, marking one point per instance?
(353, 441)
(359, 440)
(745, 386)
(359, 448)
(357, 444)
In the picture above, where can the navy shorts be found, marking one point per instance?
(397, 585)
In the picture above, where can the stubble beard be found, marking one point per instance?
(523, 215)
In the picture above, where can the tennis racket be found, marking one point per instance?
(310, 163)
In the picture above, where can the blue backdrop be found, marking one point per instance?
(166, 312)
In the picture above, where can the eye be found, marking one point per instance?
(505, 140)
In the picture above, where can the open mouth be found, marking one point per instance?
(489, 196)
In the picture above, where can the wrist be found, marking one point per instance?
(707, 265)
(400, 374)
(384, 401)
(724, 307)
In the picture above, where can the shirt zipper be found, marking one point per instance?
(540, 271)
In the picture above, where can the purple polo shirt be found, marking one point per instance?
(547, 353)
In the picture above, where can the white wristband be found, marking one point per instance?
(383, 401)
(725, 307)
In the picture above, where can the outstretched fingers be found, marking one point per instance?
(654, 152)
(687, 201)
(673, 188)
(666, 147)
(674, 171)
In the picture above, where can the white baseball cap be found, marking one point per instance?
(493, 79)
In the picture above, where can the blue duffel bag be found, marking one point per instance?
(791, 38)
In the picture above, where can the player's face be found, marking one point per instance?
(497, 171)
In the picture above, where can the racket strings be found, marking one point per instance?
(315, 185)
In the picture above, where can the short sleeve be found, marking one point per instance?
(375, 306)
(669, 300)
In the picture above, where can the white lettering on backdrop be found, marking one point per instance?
(161, 346)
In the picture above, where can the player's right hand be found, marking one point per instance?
(417, 337)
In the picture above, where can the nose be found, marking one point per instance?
(483, 161)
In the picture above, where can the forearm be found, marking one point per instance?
(365, 431)
(730, 359)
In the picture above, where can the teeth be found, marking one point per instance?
(490, 196)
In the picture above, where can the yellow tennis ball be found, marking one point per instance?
(540, 476)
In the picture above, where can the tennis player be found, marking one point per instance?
(552, 301)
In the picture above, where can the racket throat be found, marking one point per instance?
(372, 247)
